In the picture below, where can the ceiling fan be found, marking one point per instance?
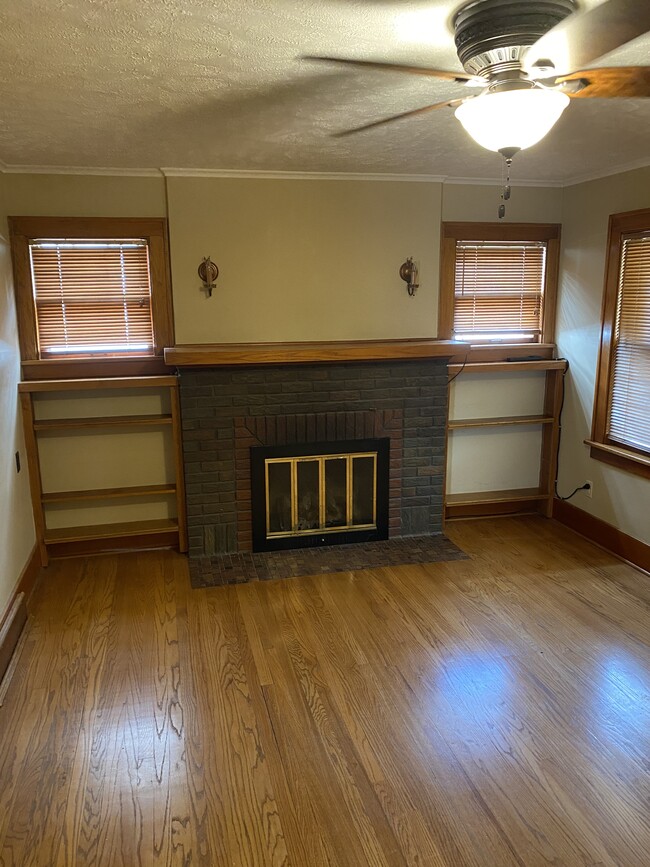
(528, 60)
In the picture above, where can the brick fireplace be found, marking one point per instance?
(230, 406)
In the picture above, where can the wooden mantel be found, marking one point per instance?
(228, 354)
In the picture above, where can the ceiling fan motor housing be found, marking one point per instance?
(492, 36)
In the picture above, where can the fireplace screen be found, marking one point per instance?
(321, 496)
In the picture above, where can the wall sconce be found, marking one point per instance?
(409, 273)
(208, 272)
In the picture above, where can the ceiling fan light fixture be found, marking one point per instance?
(512, 118)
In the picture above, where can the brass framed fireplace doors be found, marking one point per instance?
(319, 493)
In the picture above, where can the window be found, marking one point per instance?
(621, 424)
(498, 282)
(92, 295)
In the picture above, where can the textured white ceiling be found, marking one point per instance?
(217, 84)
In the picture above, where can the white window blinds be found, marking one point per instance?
(629, 406)
(92, 297)
(499, 290)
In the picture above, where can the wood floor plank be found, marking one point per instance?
(174, 840)
(16, 748)
(132, 758)
(366, 815)
(256, 630)
(62, 673)
(191, 835)
(585, 759)
(103, 578)
(487, 712)
(370, 724)
(298, 719)
(238, 768)
(303, 836)
(448, 805)
(520, 740)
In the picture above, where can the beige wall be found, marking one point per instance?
(298, 259)
(480, 203)
(84, 196)
(303, 259)
(619, 497)
(16, 525)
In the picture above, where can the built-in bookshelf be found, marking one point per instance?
(515, 500)
(42, 402)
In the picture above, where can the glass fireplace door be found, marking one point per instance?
(319, 493)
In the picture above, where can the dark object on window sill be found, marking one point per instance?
(527, 358)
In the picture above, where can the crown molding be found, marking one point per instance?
(80, 170)
(170, 172)
(300, 176)
(615, 170)
(498, 182)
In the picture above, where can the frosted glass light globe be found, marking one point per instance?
(512, 118)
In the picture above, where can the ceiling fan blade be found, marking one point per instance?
(585, 36)
(459, 77)
(627, 81)
(450, 103)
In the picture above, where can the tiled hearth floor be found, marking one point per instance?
(248, 566)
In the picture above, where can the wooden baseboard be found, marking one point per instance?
(459, 511)
(603, 534)
(14, 616)
(25, 584)
(11, 632)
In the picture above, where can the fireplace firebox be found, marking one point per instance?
(320, 493)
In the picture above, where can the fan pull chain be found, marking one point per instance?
(505, 195)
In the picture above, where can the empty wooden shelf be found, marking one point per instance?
(516, 500)
(110, 531)
(109, 493)
(498, 421)
(80, 539)
(125, 421)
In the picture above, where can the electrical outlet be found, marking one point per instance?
(589, 491)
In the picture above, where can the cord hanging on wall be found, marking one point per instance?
(409, 273)
(208, 272)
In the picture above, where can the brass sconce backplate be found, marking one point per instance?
(409, 273)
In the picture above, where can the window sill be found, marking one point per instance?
(503, 351)
(88, 368)
(621, 458)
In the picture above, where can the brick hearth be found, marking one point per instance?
(227, 410)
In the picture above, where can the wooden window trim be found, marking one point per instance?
(453, 232)
(616, 456)
(154, 230)
(601, 447)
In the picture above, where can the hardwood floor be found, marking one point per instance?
(489, 712)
